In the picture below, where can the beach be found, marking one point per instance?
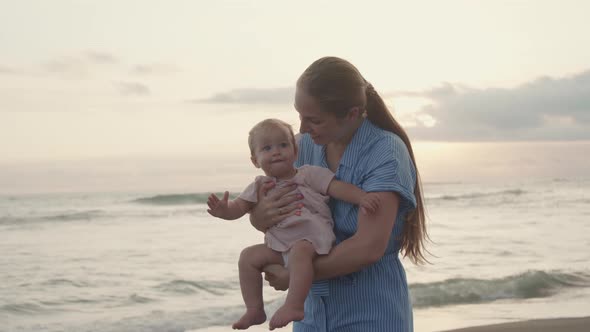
(576, 324)
(541, 325)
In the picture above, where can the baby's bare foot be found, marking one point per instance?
(285, 315)
(251, 317)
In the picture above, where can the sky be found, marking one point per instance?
(83, 81)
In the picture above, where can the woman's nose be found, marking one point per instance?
(302, 128)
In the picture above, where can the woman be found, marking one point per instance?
(361, 285)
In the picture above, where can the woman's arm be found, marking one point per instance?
(366, 246)
(362, 249)
(274, 208)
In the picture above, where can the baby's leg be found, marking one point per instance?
(252, 260)
(300, 279)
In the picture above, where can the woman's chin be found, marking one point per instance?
(317, 140)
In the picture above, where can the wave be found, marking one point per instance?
(135, 298)
(81, 215)
(177, 199)
(168, 320)
(43, 306)
(67, 216)
(155, 321)
(65, 282)
(93, 215)
(441, 183)
(191, 287)
(25, 308)
(174, 199)
(510, 192)
(531, 284)
(61, 305)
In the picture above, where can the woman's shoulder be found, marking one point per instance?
(384, 144)
(390, 162)
(383, 135)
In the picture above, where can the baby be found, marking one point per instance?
(299, 238)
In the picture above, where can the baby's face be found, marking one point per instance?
(274, 152)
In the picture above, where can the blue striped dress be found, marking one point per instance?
(375, 298)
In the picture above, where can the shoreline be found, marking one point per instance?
(574, 324)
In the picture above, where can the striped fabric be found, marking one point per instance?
(375, 298)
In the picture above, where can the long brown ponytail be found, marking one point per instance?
(338, 86)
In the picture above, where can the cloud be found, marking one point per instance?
(133, 89)
(445, 90)
(251, 96)
(544, 109)
(154, 69)
(91, 63)
(4, 70)
(101, 57)
(79, 65)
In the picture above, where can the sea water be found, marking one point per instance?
(153, 261)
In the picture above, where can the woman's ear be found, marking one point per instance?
(355, 113)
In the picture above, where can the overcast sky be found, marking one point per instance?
(84, 79)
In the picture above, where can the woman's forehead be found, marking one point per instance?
(304, 102)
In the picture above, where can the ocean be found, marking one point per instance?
(155, 261)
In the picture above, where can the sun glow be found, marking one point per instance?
(409, 111)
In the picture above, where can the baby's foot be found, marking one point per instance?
(251, 317)
(285, 315)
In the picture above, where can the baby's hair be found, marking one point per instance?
(266, 124)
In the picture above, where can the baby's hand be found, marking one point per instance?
(218, 207)
(370, 203)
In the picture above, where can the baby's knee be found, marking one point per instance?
(259, 256)
(249, 256)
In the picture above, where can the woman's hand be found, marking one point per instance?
(276, 207)
(277, 276)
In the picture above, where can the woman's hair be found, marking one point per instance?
(337, 86)
(264, 126)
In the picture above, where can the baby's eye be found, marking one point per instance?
(284, 145)
(266, 148)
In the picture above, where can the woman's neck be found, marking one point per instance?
(335, 150)
(345, 139)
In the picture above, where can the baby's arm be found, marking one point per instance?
(350, 193)
(225, 209)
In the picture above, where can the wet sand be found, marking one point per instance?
(540, 325)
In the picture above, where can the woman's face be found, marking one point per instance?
(323, 127)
